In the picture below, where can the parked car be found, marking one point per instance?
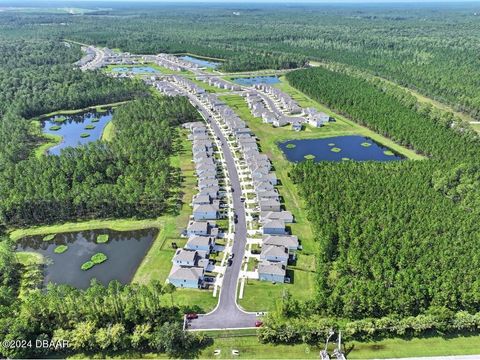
(230, 261)
(231, 256)
(258, 323)
(192, 316)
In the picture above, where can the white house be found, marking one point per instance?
(268, 271)
(274, 253)
(206, 212)
(274, 227)
(182, 277)
(203, 243)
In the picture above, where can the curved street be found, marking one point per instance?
(227, 314)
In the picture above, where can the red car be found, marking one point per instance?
(258, 323)
(192, 316)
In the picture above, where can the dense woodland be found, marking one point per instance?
(135, 318)
(129, 176)
(400, 237)
(432, 48)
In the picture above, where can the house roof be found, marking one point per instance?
(274, 250)
(290, 241)
(274, 224)
(185, 255)
(201, 199)
(185, 273)
(200, 241)
(270, 268)
(198, 226)
(276, 215)
(206, 208)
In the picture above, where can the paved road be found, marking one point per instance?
(227, 315)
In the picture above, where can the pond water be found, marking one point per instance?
(125, 251)
(136, 70)
(71, 128)
(201, 62)
(249, 81)
(338, 148)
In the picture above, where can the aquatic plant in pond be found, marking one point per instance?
(366, 144)
(70, 126)
(49, 237)
(102, 239)
(309, 157)
(87, 265)
(337, 148)
(124, 249)
(60, 249)
(389, 153)
(60, 119)
(345, 159)
(84, 135)
(99, 258)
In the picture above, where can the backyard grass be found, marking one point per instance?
(262, 295)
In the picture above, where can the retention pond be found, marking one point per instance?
(124, 251)
(338, 148)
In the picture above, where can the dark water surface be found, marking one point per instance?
(248, 81)
(201, 62)
(125, 251)
(350, 148)
(71, 129)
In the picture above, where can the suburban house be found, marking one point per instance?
(289, 241)
(269, 204)
(274, 253)
(274, 227)
(185, 257)
(206, 211)
(184, 277)
(201, 200)
(268, 271)
(203, 243)
(285, 216)
(197, 228)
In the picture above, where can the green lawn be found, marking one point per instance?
(261, 295)
(250, 347)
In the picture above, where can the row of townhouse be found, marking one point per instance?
(264, 107)
(89, 56)
(174, 63)
(191, 262)
(289, 105)
(220, 83)
(277, 245)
